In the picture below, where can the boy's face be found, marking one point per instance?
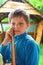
(19, 25)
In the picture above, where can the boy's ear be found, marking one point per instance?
(28, 24)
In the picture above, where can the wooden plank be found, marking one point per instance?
(39, 32)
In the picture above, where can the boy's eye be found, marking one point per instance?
(21, 23)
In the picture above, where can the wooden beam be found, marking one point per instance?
(39, 32)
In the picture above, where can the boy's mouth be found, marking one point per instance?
(17, 31)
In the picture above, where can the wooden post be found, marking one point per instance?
(13, 52)
(35, 32)
(39, 32)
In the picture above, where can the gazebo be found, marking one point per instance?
(11, 5)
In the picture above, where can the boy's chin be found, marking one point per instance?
(18, 33)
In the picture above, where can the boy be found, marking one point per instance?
(26, 49)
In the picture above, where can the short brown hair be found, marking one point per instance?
(19, 12)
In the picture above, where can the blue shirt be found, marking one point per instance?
(26, 49)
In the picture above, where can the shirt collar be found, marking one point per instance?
(20, 36)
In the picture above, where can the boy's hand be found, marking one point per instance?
(8, 36)
(9, 33)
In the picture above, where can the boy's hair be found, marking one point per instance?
(19, 12)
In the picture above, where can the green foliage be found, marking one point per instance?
(2, 2)
(5, 20)
(41, 54)
(38, 4)
(33, 20)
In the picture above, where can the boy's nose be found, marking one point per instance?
(16, 25)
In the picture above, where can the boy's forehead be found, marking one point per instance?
(17, 19)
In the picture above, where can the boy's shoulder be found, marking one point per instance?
(30, 41)
(28, 37)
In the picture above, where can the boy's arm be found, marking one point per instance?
(5, 41)
(32, 53)
(3, 46)
(8, 36)
(4, 50)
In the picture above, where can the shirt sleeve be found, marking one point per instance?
(31, 53)
(4, 51)
(2, 48)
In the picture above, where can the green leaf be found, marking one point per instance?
(5, 20)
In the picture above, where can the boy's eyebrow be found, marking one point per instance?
(21, 23)
(17, 23)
